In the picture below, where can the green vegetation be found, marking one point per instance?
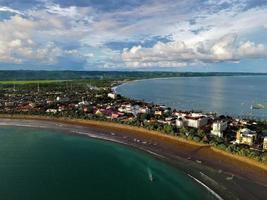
(100, 75)
(25, 82)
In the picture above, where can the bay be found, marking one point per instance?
(228, 95)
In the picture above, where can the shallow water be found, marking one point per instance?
(230, 95)
(49, 164)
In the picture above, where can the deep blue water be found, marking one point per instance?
(231, 95)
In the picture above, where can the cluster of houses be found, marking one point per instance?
(107, 104)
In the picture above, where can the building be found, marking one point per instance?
(246, 136)
(265, 143)
(196, 120)
(158, 112)
(54, 111)
(112, 95)
(179, 123)
(218, 127)
(144, 110)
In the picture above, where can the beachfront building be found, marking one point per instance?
(112, 95)
(196, 120)
(193, 120)
(218, 127)
(265, 143)
(246, 136)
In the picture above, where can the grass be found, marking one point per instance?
(31, 82)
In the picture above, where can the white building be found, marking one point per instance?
(265, 143)
(218, 127)
(195, 121)
(54, 111)
(112, 95)
(179, 123)
(246, 136)
(144, 110)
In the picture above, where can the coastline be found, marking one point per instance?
(181, 153)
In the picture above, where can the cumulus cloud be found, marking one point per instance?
(179, 53)
(17, 44)
(35, 36)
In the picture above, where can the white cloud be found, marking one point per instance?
(179, 53)
(34, 35)
(17, 45)
(7, 9)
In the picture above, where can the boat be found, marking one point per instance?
(150, 175)
(258, 106)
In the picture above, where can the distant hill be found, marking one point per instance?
(74, 75)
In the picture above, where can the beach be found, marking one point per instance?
(230, 176)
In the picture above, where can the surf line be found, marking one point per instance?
(205, 186)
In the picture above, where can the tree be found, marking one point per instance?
(168, 129)
(201, 133)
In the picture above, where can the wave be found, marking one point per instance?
(205, 186)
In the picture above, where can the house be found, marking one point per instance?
(265, 143)
(144, 110)
(158, 112)
(246, 136)
(112, 95)
(54, 111)
(99, 112)
(169, 120)
(180, 114)
(9, 104)
(218, 127)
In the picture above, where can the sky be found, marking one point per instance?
(161, 35)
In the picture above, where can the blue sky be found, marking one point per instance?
(165, 35)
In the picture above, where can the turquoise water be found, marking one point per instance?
(231, 95)
(46, 164)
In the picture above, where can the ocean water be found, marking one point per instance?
(47, 164)
(229, 95)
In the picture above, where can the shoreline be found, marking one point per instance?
(180, 153)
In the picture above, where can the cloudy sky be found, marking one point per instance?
(177, 35)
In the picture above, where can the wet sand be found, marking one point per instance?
(231, 177)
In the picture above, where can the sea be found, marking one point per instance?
(51, 164)
(225, 95)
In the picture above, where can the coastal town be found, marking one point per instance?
(244, 137)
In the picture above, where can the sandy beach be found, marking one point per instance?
(230, 176)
